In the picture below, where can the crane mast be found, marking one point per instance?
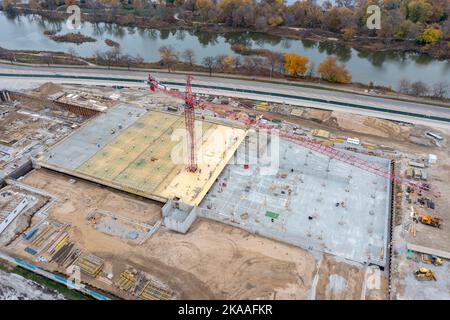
(189, 117)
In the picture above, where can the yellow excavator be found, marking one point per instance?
(430, 259)
(424, 274)
(430, 221)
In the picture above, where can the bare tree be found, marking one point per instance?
(311, 69)
(47, 58)
(404, 86)
(419, 88)
(209, 62)
(219, 61)
(9, 55)
(189, 56)
(440, 89)
(128, 60)
(273, 59)
(237, 62)
(106, 58)
(138, 60)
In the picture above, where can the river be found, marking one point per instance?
(383, 68)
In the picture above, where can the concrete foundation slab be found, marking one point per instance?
(311, 201)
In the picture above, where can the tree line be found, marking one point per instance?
(266, 63)
(425, 21)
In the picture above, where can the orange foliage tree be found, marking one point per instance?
(329, 70)
(295, 64)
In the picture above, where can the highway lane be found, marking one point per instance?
(308, 97)
(238, 84)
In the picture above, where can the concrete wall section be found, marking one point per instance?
(178, 216)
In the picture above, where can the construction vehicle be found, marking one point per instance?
(430, 259)
(424, 274)
(430, 221)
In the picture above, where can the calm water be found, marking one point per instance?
(26, 32)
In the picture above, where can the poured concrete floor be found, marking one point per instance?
(144, 152)
(298, 203)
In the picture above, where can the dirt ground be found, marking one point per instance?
(340, 280)
(217, 261)
(212, 261)
(357, 123)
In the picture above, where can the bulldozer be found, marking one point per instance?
(430, 259)
(430, 221)
(424, 274)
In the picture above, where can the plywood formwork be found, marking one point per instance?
(146, 156)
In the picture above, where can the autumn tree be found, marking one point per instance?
(430, 35)
(137, 5)
(330, 71)
(203, 4)
(304, 14)
(227, 62)
(295, 64)
(339, 18)
(68, 2)
(236, 13)
(203, 9)
(419, 11)
(168, 56)
(34, 5)
(348, 33)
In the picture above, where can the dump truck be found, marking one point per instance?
(430, 221)
(425, 274)
(430, 259)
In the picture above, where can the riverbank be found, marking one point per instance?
(440, 51)
(50, 58)
(35, 57)
(357, 89)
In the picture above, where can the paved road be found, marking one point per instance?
(301, 96)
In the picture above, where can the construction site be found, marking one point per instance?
(167, 194)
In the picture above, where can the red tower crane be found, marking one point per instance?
(333, 153)
(189, 116)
